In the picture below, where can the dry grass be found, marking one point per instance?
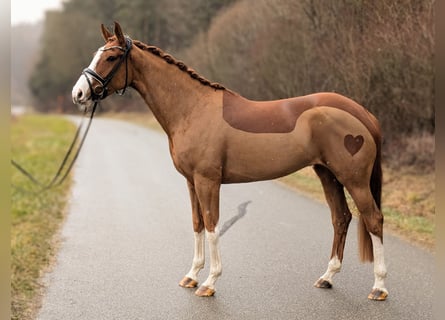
(409, 204)
(408, 201)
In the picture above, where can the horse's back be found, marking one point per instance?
(269, 139)
(280, 116)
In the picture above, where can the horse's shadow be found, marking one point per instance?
(242, 210)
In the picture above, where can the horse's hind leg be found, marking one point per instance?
(191, 278)
(371, 237)
(341, 217)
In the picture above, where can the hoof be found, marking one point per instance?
(324, 284)
(378, 295)
(187, 282)
(204, 291)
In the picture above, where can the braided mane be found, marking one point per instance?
(171, 60)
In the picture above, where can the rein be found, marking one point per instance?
(101, 92)
(97, 94)
(55, 182)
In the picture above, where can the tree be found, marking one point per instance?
(380, 54)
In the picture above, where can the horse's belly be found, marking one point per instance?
(263, 157)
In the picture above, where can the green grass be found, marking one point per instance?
(39, 144)
(418, 225)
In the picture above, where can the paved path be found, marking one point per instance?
(128, 241)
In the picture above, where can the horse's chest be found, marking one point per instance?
(184, 158)
(178, 157)
(192, 156)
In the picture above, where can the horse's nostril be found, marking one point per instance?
(79, 94)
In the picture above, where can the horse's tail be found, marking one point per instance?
(365, 241)
(376, 176)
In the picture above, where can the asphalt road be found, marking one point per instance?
(128, 241)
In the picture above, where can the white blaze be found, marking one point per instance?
(81, 85)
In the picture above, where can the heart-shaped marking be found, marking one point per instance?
(353, 144)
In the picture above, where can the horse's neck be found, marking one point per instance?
(169, 92)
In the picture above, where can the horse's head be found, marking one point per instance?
(108, 72)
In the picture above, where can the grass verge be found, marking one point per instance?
(408, 201)
(38, 143)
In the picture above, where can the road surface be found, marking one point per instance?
(128, 241)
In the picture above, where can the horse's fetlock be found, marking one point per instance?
(380, 271)
(199, 264)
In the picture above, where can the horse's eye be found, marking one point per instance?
(111, 58)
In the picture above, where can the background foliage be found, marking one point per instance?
(379, 53)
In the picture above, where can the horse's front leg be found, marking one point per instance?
(207, 289)
(207, 191)
(191, 278)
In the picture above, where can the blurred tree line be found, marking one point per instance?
(24, 45)
(71, 36)
(380, 53)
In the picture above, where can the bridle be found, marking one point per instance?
(98, 93)
(101, 92)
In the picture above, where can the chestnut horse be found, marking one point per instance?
(216, 136)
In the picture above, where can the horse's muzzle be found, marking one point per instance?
(81, 94)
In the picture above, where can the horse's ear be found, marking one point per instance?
(106, 34)
(119, 34)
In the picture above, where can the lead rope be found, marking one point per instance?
(55, 182)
